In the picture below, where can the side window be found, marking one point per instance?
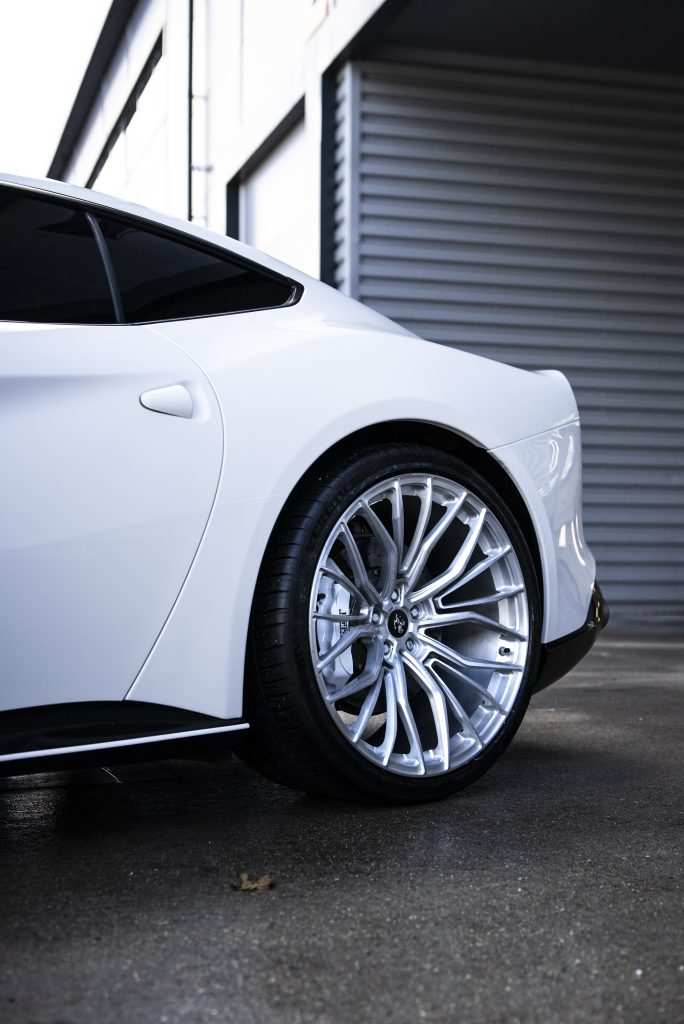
(50, 266)
(160, 278)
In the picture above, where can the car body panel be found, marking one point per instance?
(104, 505)
(549, 467)
(290, 383)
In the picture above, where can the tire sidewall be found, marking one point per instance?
(338, 489)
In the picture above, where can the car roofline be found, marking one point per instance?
(64, 190)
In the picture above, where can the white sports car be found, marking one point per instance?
(235, 501)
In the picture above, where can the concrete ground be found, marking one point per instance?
(549, 891)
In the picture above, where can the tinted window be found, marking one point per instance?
(50, 266)
(163, 279)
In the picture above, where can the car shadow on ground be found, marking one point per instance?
(258, 824)
(553, 881)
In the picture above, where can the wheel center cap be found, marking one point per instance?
(398, 623)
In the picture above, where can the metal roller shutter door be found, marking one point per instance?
(535, 214)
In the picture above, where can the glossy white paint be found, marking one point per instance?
(294, 382)
(290, 383)
(104, 504)
(549, 466)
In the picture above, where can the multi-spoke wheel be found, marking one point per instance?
(419, 624)
(394, 630)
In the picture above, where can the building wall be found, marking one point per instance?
(253, 62)
(534, 213)
(530, 214)
(279, 203)
(148, 163)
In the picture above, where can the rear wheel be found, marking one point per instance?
(395, 630)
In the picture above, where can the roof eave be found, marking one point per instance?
(111, 34)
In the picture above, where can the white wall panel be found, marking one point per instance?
(137, 167)
(279, 204)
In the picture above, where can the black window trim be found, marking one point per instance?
(92, 209)
(75, 206)
(185, 238)
(112, 282)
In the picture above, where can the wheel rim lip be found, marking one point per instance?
(461, 749)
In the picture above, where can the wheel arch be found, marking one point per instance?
(444, 439)
(208, 641)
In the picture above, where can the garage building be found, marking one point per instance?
(507, 177)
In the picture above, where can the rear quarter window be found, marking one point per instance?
(163, 278)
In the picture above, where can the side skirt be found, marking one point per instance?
(103, 732)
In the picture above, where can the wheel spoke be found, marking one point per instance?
(482, 690)
(478, 569)
(398, 519)
(365, 678)
(458, 564)
(421, 525)
(366, 711)
(437, 531)
(454, 618)
(461, 661)
(436, 697)
(333, 572)
(388, 544)
(496, 598)
(458, 711)
(344, 642)
(407, 719)
(385, 751)
(359, 570)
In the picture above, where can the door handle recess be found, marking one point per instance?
(174, 400)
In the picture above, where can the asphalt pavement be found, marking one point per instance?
(551, 890)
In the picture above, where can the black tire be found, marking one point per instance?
(293, 738)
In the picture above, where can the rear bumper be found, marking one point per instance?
(547, 471)
(560, 656)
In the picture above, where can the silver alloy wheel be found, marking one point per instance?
(419, 625)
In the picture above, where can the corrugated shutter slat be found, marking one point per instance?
(538, 218)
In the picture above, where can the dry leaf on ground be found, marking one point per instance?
(253, 885)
